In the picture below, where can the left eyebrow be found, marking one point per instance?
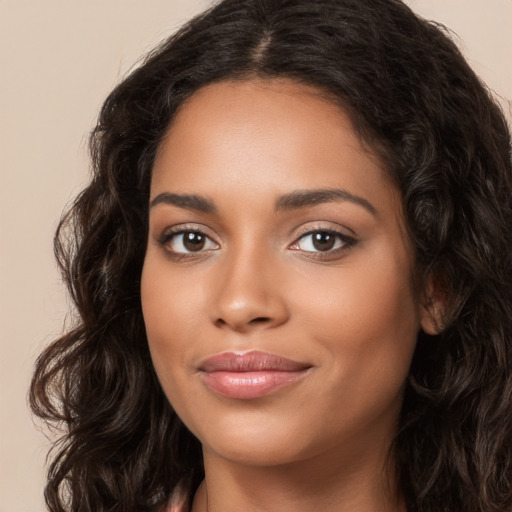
(306, 198)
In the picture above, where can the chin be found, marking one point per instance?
(263, 452)
(257, 440)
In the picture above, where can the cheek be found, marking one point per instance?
(364, 319)
(171, 301)
(170, 310)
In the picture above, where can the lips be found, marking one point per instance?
(250, 375)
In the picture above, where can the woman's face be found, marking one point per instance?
(276, 286)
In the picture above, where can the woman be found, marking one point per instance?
(291, 272)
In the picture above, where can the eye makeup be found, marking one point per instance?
(317, 242)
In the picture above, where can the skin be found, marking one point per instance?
(259, 283)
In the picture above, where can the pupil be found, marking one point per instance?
(193, 241)
(323, 241)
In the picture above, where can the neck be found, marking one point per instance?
(359, 483)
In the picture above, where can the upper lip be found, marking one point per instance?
(252, 361)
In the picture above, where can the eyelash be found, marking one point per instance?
(346, 242)
(168, 236)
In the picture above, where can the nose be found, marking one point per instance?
(249, 293)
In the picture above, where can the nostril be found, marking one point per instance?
(259, 320)
(220, 322)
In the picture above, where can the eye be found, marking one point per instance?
(323, 241)
(187, 241)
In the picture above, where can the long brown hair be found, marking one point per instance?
(416, 102)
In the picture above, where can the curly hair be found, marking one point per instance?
(444, 141)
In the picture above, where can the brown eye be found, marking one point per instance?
(323, 241)
(193, 241)
(187, 242)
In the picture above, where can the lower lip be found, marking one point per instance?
(249, 385)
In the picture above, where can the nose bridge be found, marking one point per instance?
(248, 294)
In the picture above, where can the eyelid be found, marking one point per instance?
(325, 227)
(169, 233)
(180, 228)
(348, 241)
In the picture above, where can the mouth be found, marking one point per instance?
(250, 375)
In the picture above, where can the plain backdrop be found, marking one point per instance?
(58, 60)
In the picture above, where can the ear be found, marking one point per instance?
(433, 304)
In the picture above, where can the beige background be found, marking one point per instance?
(58, 60)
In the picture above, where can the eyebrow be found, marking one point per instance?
(294, 200)
(306, 198)
(188, 201)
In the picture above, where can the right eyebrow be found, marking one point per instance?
(187, 201)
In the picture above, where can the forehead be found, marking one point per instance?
(263, 136)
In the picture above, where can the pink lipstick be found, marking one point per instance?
(250, 375)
